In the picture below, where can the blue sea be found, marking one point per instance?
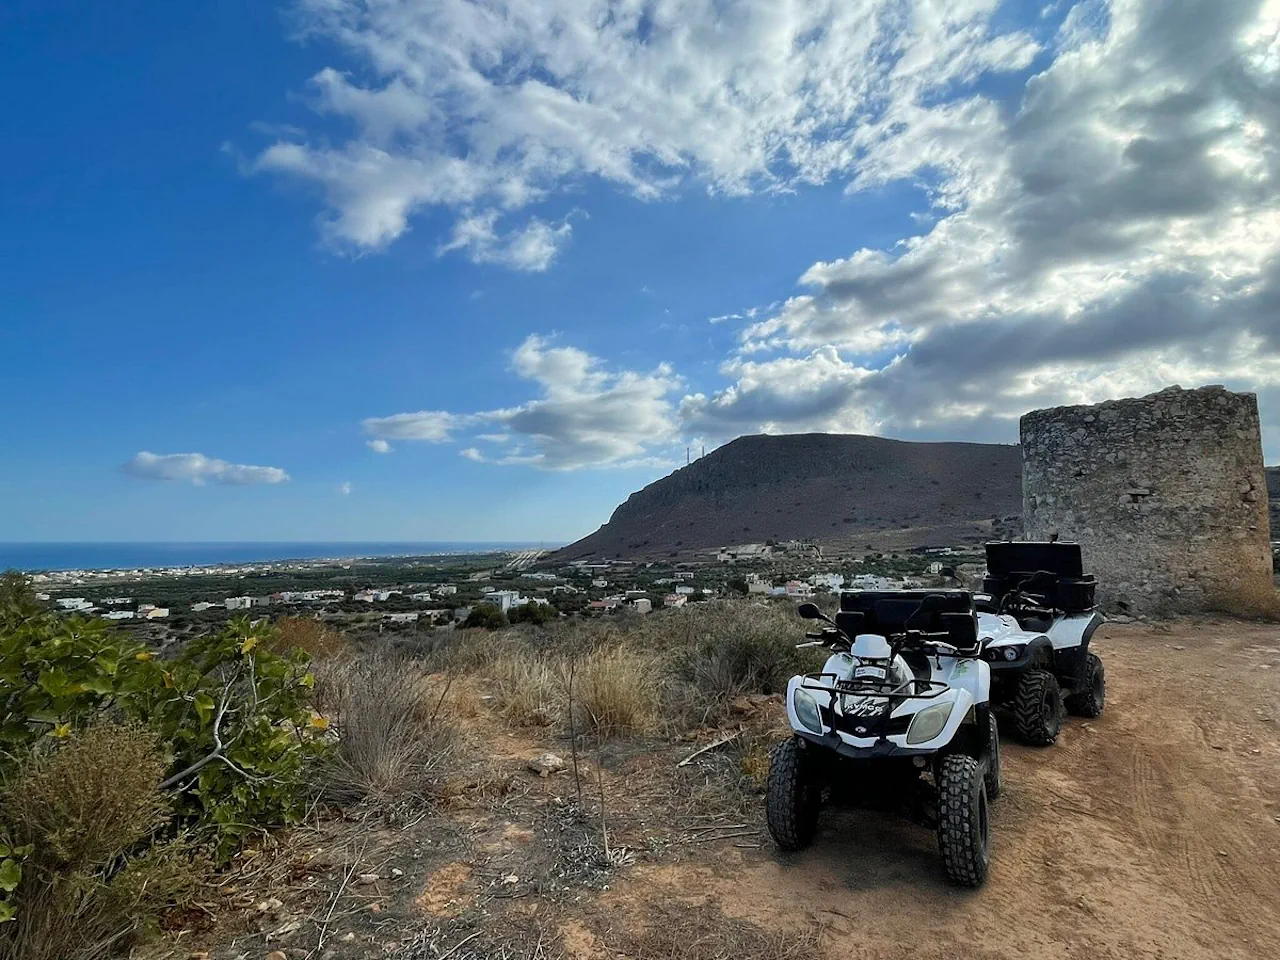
(114, 556)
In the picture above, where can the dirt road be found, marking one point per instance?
(1151, 832)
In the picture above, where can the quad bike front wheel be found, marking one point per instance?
(792, 796)
(1088, 702)
(1037, 708)
(964, 825)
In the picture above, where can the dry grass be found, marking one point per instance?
(393, 735)
(308, 634)
(92, 885)
(528, 687)
(617, 691)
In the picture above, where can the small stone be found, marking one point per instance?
(277, 955)
(270, 905)
(544, 765)
(397, 872)
(206, 955)
(1179, 646)
(348, 938)
(1223, 853)
(284, 930)
(510, 880)
(375, 907)
(367, 878)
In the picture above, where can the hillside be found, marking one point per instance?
(839, 490)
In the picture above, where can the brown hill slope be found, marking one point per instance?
(834, 489)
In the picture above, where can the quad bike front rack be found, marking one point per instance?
(925, 690)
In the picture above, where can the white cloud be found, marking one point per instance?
(435, 426)
(379, 446)
(345, 488)
(587, 414)
(1117, 232)
(198, 469)
(488, 108)
(472, 453)
(531, 248)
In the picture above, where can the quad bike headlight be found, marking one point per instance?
(1012, 653)
(928, 723)
(807, 711)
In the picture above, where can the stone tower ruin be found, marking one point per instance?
(1166, 495)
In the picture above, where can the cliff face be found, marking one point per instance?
(833, 489)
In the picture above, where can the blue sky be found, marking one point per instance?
(244, 242)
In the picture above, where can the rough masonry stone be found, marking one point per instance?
(1165, 493)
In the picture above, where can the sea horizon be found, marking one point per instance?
(53, 555)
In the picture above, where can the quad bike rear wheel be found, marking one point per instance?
(793, 796)
(1088, 702)
(964, 826)
(992, 778)
(1037, 708)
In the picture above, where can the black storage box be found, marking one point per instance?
(948, 613)
(1053, 572)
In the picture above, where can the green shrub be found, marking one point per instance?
(88, 810)
(535, 613)
(485, 615)
(232, 716)
(739, 648)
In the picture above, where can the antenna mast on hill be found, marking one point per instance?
(704, 449)
(687, 461)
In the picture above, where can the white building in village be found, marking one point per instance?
(238, 603)
(831, 581)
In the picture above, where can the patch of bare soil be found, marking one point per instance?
(1153, 831)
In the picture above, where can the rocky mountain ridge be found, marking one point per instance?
(842, 490)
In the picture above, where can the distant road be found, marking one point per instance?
(526, 558)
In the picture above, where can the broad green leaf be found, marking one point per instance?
(10, 875)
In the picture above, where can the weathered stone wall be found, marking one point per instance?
(1166, 495)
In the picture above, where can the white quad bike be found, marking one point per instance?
(1035, 622)
(899, 718)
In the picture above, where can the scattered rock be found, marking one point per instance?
(1179, 646)
(348, 938)
(397, 872)
(367, 878)
(510, 880)
(293, 926)
(206, 955)
(277, 955)
(270, 905)
(544, 765)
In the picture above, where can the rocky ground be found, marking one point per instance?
(1151, 832)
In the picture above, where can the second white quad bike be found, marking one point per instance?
(1035, 622)
(899, 717)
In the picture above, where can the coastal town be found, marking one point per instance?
(426, 593)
